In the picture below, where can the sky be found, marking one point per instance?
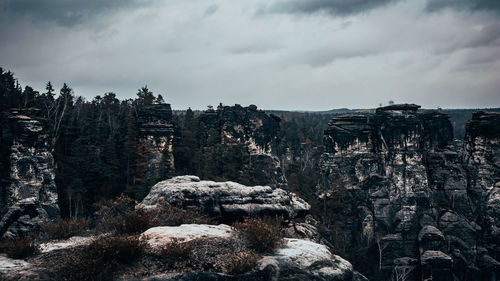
(276, 54)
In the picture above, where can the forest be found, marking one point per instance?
(95, 145)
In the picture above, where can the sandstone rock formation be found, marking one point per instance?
(28, 194)
(255, 129)
(226, 200)
(295, 259)
(429, 209)
(156, 135)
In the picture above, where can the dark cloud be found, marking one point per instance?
(350, 7)
(212, 9)
(471, 5)
(488, 36)
(63, 12)
(336, 7)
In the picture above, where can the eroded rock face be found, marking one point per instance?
(156, 134)
(425, 204)
(226, 200)
(482, 158)
(28, 194)
(255, 129)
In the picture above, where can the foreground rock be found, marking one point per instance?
(428, 209)
(20, 270)
(28, 194)
(162, 235)
(226, 200)
(295, 259)
(305, 260)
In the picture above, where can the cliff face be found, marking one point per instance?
(28, 194)
(413, 197)
(156, 135)
(254, 128)
(482, 161)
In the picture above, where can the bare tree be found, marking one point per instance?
(381, 245)
(401, 272)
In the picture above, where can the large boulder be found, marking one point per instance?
(300, 259)
(228, 201)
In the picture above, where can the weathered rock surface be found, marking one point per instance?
(305, 260)
(226, 200)
(414, 194)
(255, 129)
(296, 259)
(11, 269)
(156, 134)
(71, 242)
(28, 194)
(162, 235)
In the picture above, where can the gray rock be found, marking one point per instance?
(415, 190)
(28, 194)
(226, 200)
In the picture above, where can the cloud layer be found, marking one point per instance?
(285, 54)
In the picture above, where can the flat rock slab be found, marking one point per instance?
(162, 235)
(65, 244)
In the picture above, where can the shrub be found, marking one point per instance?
(133, 222)
(176, 250)
(167, 214)
(239, 263)
(64, 228)
(120, 216)
(263, 234)
(19, 248)
(108, 213)
(96, 260)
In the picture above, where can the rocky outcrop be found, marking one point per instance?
(255, 129)
(482, 158)
(295, 259)
(156, 134)
(424, 205)
(226, 200)
(28, 194)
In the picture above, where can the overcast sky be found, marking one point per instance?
(282, 54)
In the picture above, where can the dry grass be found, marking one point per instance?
(176, 250)
(96, 261)
(239, 263)
(120, 216)
(19, 248)
(64, 228)
(263, 234)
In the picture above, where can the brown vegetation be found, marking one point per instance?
(64, 228)
(96, 260)
(120, 216)
(263, 234)
(19, 248)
